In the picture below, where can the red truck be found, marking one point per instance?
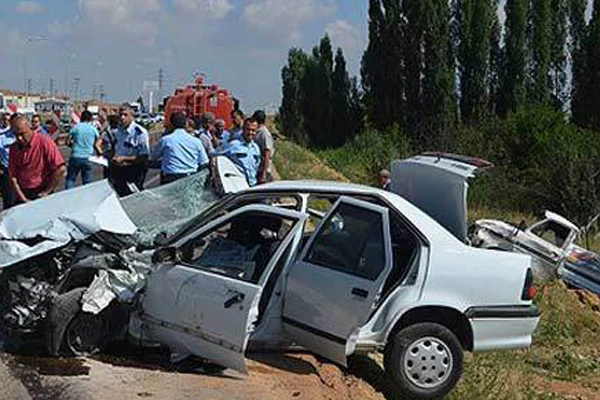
(195, 100)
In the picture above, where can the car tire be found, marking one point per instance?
(424, 360)
(72, 332)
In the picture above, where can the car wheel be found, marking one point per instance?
(85, 334)
(71, 332)
(425, 361)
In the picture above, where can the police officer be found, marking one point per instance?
(245, 153)
(180, 154)
(129, 164)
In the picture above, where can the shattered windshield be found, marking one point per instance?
(167, 208)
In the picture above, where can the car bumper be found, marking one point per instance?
(498, 328)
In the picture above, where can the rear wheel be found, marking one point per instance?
(425, 360)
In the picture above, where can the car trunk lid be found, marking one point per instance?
(437, 184)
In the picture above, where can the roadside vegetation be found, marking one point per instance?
(564, 361)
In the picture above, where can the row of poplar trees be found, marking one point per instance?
(433, 64)
(321, 104)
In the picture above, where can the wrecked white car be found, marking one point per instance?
(339, 269)
(548, 241)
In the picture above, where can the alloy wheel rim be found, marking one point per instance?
(428, 362)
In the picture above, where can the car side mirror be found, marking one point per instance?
(166, 255)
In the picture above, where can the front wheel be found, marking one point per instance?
(425, 360)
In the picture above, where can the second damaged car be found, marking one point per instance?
(339, 269)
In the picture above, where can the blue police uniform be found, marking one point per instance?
(7, 138)
(246, 155)
(131, 141)
(180, 154)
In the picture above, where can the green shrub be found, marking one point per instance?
(363, 157)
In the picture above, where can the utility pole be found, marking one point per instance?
(76, 88)
(101, 88)
(52, 89)
(161, 80)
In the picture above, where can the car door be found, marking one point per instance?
(334, 286)
(206, 302)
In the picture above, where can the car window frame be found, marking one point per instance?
(386, 235)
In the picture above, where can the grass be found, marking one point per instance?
(564, 361)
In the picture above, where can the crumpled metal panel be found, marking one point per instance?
(34, 228)
(120, 284)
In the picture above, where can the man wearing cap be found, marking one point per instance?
(129, 164)
(180, 154)
(35, 165)
(264, 140)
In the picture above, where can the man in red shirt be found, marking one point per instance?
(36, 165)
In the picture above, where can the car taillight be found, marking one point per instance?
(529, 291)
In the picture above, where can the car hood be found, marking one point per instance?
(43, 225)
(437, 184)
(37, 227)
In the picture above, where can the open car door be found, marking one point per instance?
(206, 302)
(229, 178)
(334, 286)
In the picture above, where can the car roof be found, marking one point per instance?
(561, 220)
(422, 221)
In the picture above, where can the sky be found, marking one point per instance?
(240, 45)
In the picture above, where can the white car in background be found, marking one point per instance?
(337, 268)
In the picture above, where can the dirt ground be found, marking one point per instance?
(271, 377)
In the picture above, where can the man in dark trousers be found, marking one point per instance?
(36, 165)
(129, 164)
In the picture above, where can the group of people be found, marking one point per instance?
(32, 166)
(189, 143)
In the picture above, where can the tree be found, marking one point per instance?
(412, 32)
(513, 93)
(290, 112)
(316, 98)
(438, 87)
(382, 64)
(340, 104)
(558, 54)
(577, 30)
(356, 108)
(541, 42)
(495, 65)
(591, 93)
(475, 24)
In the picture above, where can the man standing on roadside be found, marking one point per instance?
(4, 123)
(180, 154)
(36, 125)
(85, 142)
(264, 140)
(245, 153)
(7, 138)
(129, 165)
(35, 165)
(207, 133)
(236, 132)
